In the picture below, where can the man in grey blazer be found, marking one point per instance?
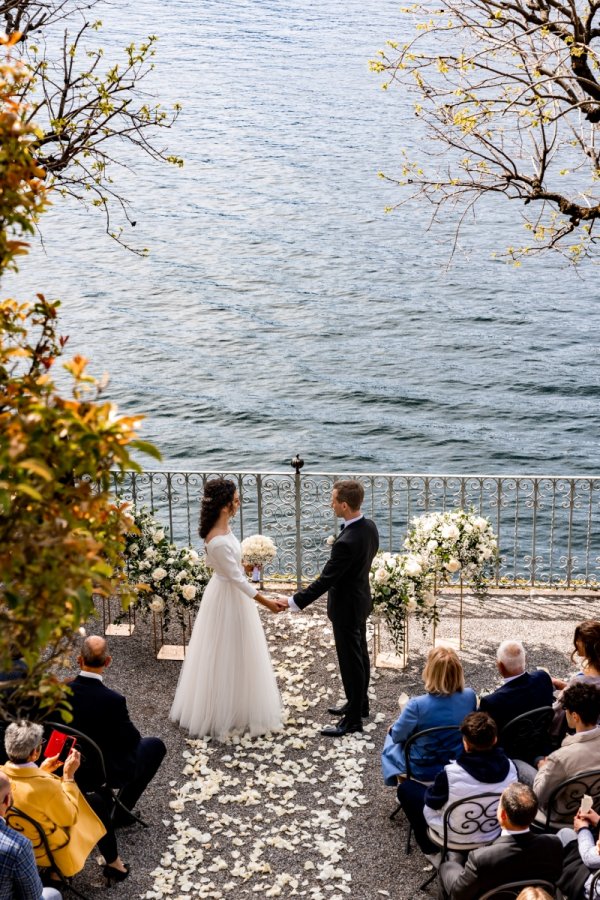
(517, 855)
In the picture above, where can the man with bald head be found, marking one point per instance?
(101, 714)
(521, 690)
(19, 876)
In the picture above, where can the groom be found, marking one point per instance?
(346, 578)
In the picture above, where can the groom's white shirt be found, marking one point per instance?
(291, 603)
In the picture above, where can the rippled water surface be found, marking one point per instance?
(280, 309)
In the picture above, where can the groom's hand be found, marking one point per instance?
(282, 603)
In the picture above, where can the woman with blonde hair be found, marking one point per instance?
(534, 893)
(446, 702)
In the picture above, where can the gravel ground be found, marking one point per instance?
(295, 814)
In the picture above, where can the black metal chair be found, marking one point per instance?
(93, 759)
(23, 823)
(473, 817)
(511, 889)
(528, 735)
(595, 886)
(438, 747)
(565, 800)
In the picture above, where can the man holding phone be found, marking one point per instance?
(101, 713)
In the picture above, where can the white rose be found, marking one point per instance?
(387, 556)
(412, 605)
(381, 576)
(467, 528)
(413, 567)
(133, 551)
(486, 553)
(330, 540)
(150, 553)
(193, 556)
(157, 604)
(480, 523)
(453, 565)
(159, 574)
(189, 591)
(431, 546)
(158, 536)
(450, 532)
(429, 599)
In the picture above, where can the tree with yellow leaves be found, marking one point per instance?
(508, 94)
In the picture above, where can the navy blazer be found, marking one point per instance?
(529, 691)
(346, 575)
(514, 857)
(101, 714)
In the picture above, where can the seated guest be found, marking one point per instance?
(19, 877)
(579, 752)
(517, 855)
(586, 642)
(100, 713)
(446, 702)
(582, 855)
(72, 827)
(481, 768)
(534, 893)
(521, 692)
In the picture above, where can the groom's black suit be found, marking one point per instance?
(346, 578)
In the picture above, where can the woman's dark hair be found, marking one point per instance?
(218, 493)
(589, 635)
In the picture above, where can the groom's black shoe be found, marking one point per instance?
(343, 727)
(342, 710)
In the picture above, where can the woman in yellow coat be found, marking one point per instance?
(72, 827)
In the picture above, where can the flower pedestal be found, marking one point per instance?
(454, 643)
(388, 659)
(121, 629)
(169, 651)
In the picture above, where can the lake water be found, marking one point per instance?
(280, 309)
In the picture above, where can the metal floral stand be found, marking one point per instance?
(456, 644)
(385, 659)
(169, 651)
(121, 629)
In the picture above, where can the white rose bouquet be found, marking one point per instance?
(258, 550)
(401, 584)
(166, 579)
(457, 543)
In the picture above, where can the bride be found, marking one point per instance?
(227, 681)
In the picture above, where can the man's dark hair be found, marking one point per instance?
(350, 492)
(583, 699)
(520, 804)
(479, 730)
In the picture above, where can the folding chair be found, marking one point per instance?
(565, 800)
(93, 760)
(468, 817)
(527, 735)
(32, 829)
(437, 746)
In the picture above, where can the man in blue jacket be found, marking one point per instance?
(521, 690)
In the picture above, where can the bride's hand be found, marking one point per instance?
(274, 605)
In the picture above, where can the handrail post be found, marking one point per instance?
(297, 464)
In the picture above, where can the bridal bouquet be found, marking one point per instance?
(455, 543)
(258, 550)
(399, 586)
(165, 578)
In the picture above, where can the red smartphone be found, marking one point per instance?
(59, 744)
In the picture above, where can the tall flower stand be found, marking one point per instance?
(454, 643)
(169, 651)
(386, 659)
(121, 629)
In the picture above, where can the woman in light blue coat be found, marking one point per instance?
(446, 702)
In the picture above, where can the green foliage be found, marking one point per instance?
(61, 535)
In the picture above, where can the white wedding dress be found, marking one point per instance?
(227, 681)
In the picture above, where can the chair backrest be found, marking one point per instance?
(436, 747)
(527, 734)
(512, 889)
(471, 820)
(92, 773)
(23, 823)
(595, 886)
(565, 799)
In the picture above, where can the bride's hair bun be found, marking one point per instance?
(218, 493)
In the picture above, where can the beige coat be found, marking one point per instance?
(71, 826)
(578, 753)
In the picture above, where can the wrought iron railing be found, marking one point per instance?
(548, 527)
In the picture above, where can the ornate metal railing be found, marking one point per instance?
(548, 527)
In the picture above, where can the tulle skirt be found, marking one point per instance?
(227, 681)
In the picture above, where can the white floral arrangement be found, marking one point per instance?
(166, 579)
(258, 550)
(456, 544)
(399, 586)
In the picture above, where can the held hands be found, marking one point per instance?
(276, 604)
